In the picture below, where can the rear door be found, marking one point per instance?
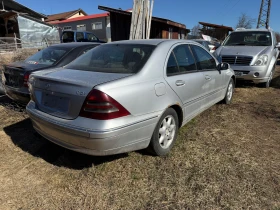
(213, 79)
(184, 79)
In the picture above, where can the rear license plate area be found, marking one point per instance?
(11, 80)
(56, 103)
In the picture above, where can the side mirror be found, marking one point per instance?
(223, 66)
(277, 45)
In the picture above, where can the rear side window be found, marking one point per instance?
(172, 66)
(114, 58)
(68, 36)
(180, 61)
(204, 59)
(80, 37)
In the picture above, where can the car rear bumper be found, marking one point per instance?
(16, 95)
(102, 142)
(256, 74)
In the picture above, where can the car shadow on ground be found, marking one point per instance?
(8, 103)
(275, 82)
(244, 84)
(25, 137)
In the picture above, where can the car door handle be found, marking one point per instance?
(180, 82)
(208, 77)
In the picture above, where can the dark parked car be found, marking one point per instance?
(79, 36)
(15, 75)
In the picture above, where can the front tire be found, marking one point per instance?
(165, 133)
(229, 93)
(267, 83)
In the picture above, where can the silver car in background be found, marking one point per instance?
(128, 95)
(252, 54)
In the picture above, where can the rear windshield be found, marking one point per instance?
(249, 38)
(114, 58)
(47, 56)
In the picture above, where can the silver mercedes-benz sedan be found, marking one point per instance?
(128, 95)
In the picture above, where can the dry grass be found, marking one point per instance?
(226, 158)
(18, 55)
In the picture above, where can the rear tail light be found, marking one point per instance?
(100, 106)
(25, 79)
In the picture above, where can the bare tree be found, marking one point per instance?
(196, 30)
(244, 21)
(277, 34)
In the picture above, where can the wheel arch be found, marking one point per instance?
(178, 109)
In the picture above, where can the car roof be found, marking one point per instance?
(152, 41)
(256, 29)
(74, 44)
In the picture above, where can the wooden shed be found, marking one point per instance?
(161, 28)
(219, 32)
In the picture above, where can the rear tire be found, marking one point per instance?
(165, 133)
(229, 93)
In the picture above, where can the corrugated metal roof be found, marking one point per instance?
(13, 5)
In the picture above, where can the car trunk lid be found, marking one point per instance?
(13, 74)
(62, 92)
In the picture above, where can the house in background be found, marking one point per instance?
(65, 16)
(120, 21)
(114, 25)
(99, 24)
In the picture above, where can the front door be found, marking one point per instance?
(213, 79)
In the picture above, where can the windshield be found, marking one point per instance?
(114, 58)
(47, 56)
(249, 38)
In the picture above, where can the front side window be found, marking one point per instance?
(249, 38)
(91, 37)
(204, 59)
(183, 58)
(114, 58)
(47, 56)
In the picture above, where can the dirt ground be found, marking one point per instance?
(226, 158)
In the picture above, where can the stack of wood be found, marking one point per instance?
(141, 19)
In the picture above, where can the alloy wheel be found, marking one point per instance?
(167, 131)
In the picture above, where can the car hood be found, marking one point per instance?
(27, 66)
(242, 50)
